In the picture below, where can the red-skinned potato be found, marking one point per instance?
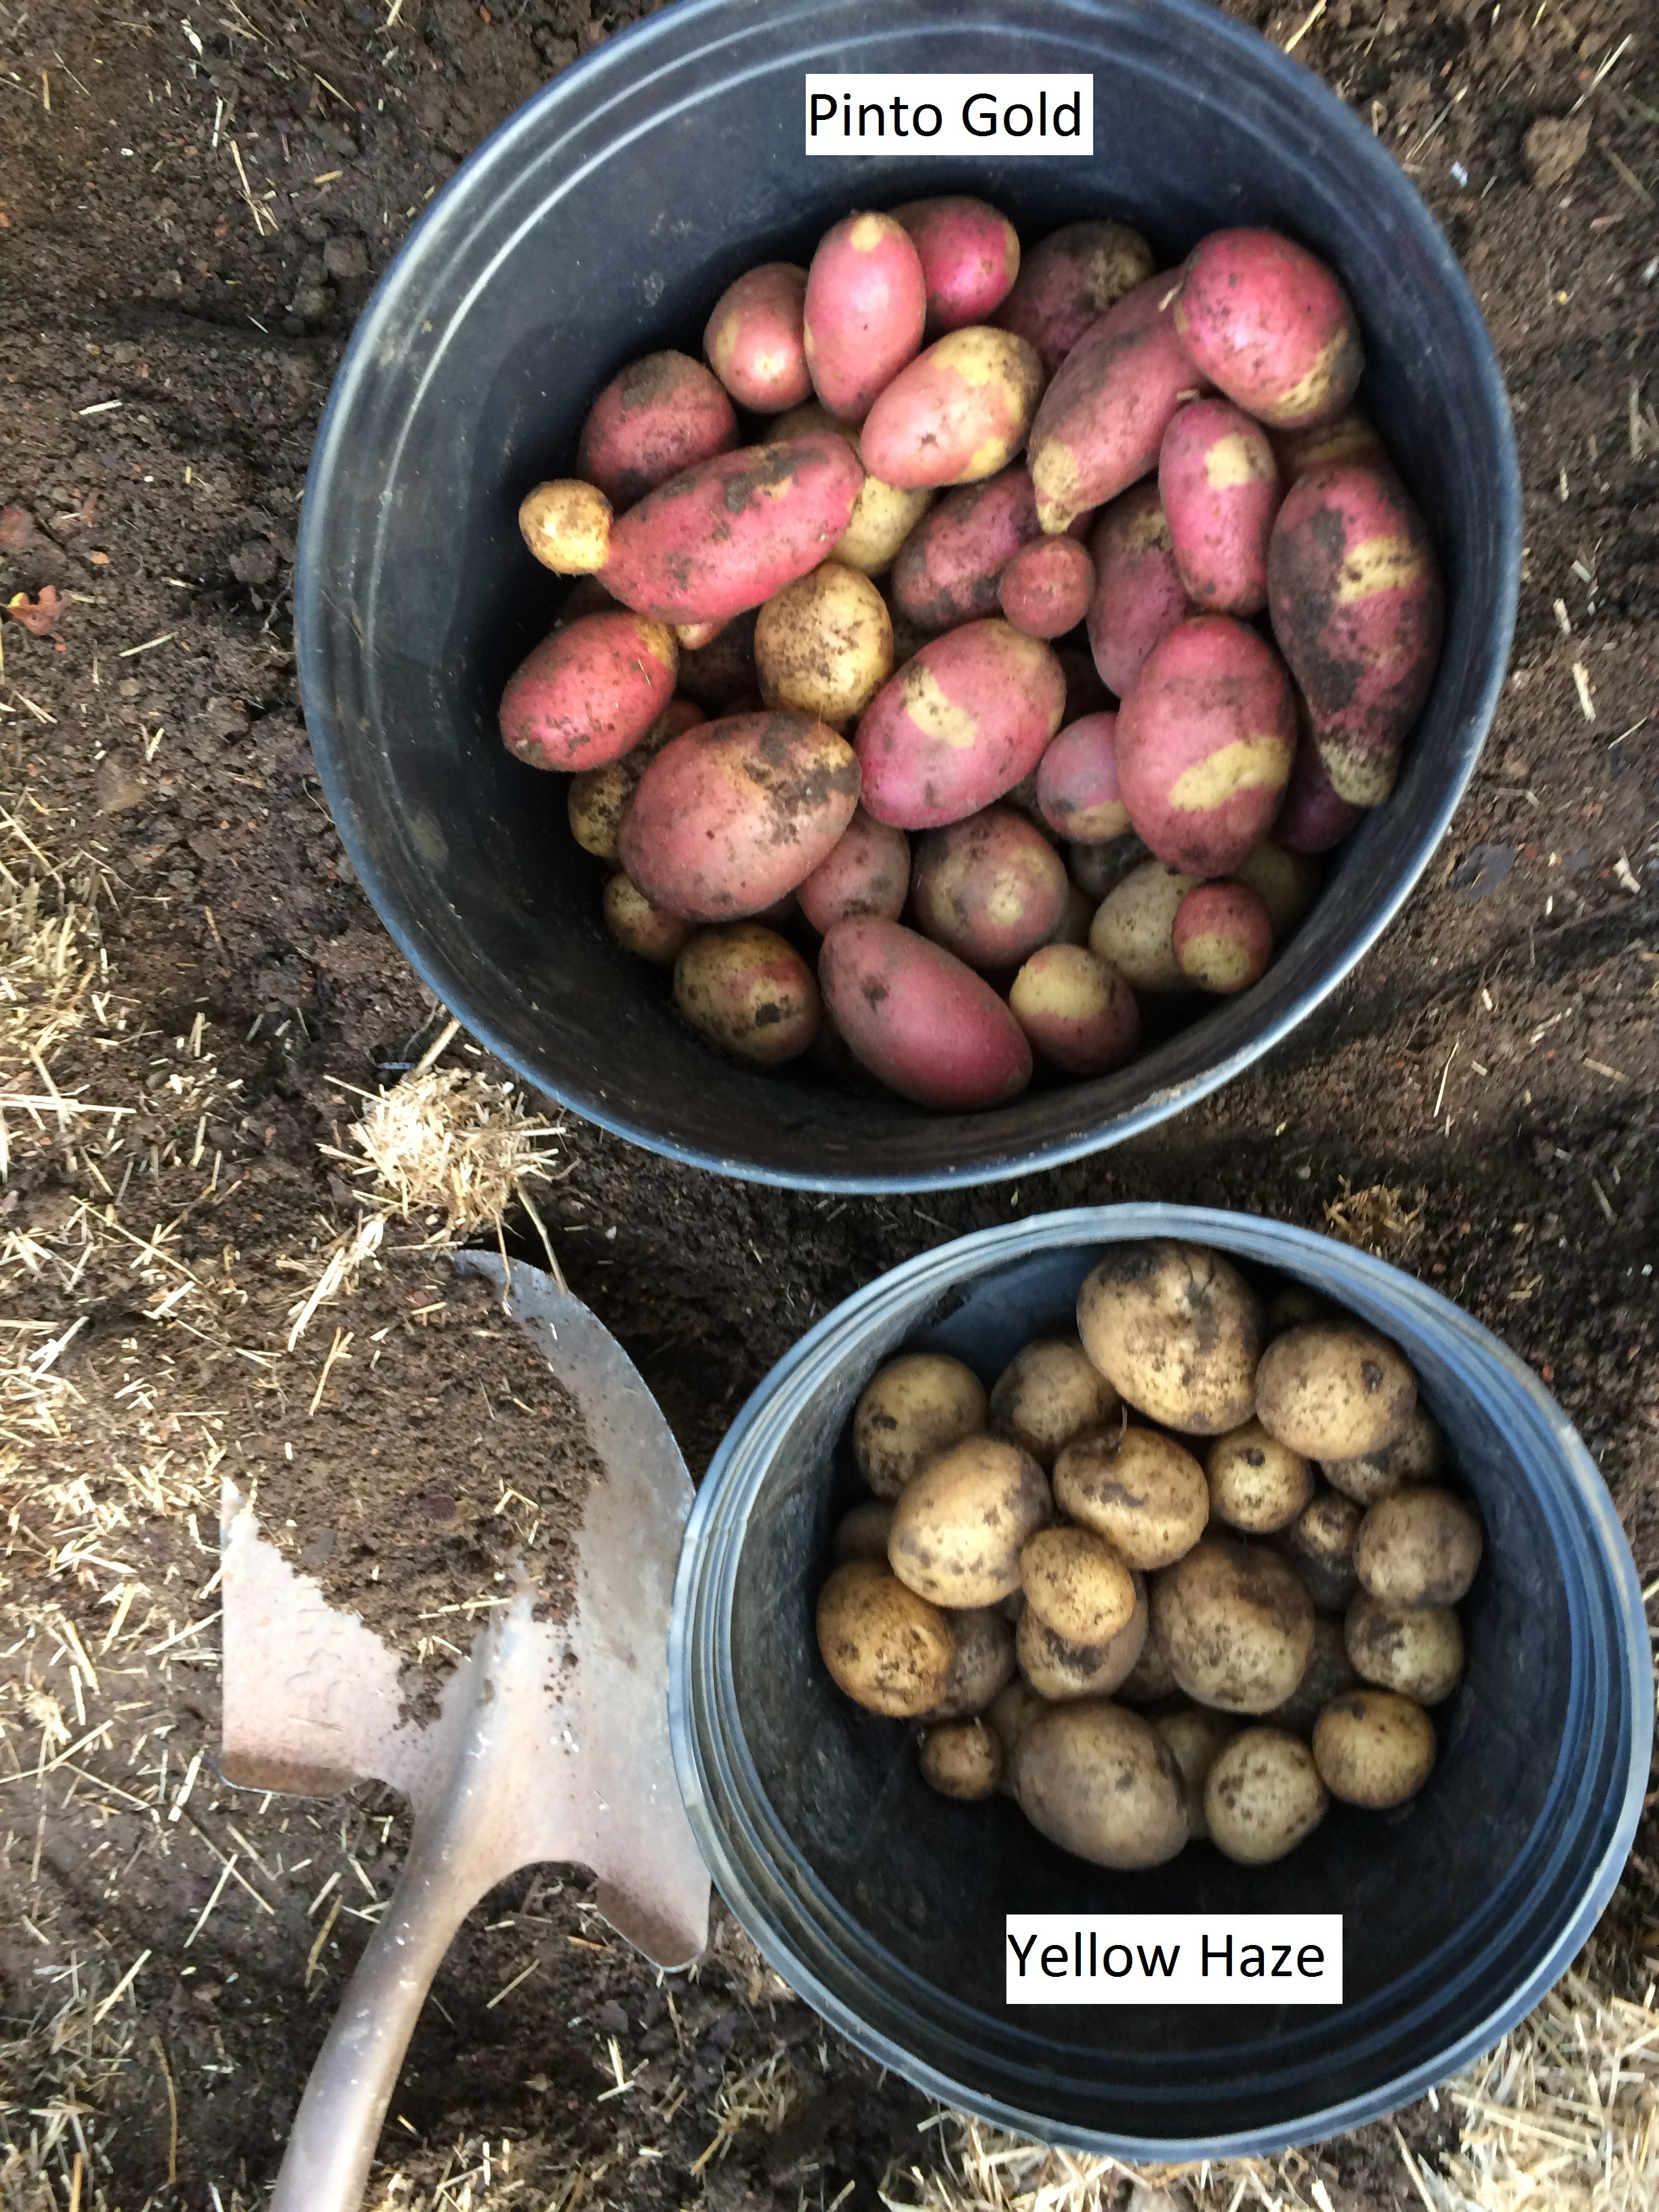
(1139, 594)
(746, 991)
(919, 1019)
(639, 928)
(1068, 280)
(1223, 937)
(1079, 1013)
(1349, 442)
(1269, 325)
(1103, 419)
(1045, 588)
(882, 515)
(1358, 609)
(959, 725)
(756, 340)
(949, 570)
(1220, 484)
(723, 537)
(733, 815)
(567, 526)
(1076, 782)
(589, 693)
(957, 413)
(969, 256)
(596, 799)
(990, 889)
(868, 873)
(866, 305)
(662, 415)
(1204, 741)
(1311, 818)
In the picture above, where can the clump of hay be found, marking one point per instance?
(449, 1147)
(1376, 1219)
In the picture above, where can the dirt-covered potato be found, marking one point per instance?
(651, 933)
(567, 526)
(1076, 1584)
(1151, 1678)
(1328, 1673)
(1102, 1783)
(1374, 1747)
(1048, 1392)
(1176, 1331)
(1008, 1714)
(963, 1759)
(911, 1410)
(1256, 1483)
(746, 991)
(1421, 1547)
(1319, 1543)
(888, 1649)
(1263, 1794)
(1059, 1669)
(1415, 1650)
(1141, 1491)
(983, 1665)
(1133, 931)
(1196, 1738)
(862, 1534)
(824, 645)
(1236, 1624)
(1418, 1454)
(1334, 1389)
(960, 1526)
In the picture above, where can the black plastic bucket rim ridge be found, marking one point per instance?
(702, 1608)
(725, 22)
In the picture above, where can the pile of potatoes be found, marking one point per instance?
(1189, 1574)
(1012, 635)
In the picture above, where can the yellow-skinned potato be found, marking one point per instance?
(1334, 1389)
(1263, 1796)
(1374, 1748)
(961, 1759)
(1076, 1584)
(1319, 1543)
(1141, 1492)
(567, 526)
(885, 1647)
(959, 1527)
(1256, 1483)
(983, 1665)
(824, 645)
(1417, 1650)
(747, 992)
(862, 1534)
(649, 931)
(1286, 884)
(1421, 1547)
(1418, 1454)
(1177, 1333)
(597, 798)
(1134, 927)
(1059, 1669)
(1329, 1673)
(1196, 1738)
(1236, 1624)
(1008, 1714)
(1048, 1392)
(1102, 1783)
(911, 1410)
(958, 412)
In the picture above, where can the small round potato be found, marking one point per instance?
(1141, 1491)
(1415, 1650)
(1334, 1389)
(749, 993)
(1048, 1393)
(1319, 1543)
(567, 526)
(1263, 1796)
(1133, 931)
(1418, 1454)
(1236, 1624)
(1080, 1015)
(1374, 1747)
(960, 1526)
(1223, 937)
(913, 1408)
(1151, 1678)
(1008, 1714)
(1059, 1669)
(651, 933)
(1196, 1738)
(1176, 1331)
(1421, 1547)
(885, 1647)
(963, 1759)
(1076, 1584)
(1256, 1483)
(862, 1534)
(1328, 1673)
(825, 644)
(983, 1665)
(1102, 1783)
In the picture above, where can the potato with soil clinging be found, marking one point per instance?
(823, 645)
(755, 339)
(960, 1525)
(888, 1649)
(597, 798)
(1418, 1546)
(1080, 1015)
(1046, 589)
(1220, 484)
(1133, 929)
(659, 416)
(1196, 1738)
(1334, 1389)
(1049, 1392)
(990, 889)
(567, 526)
(961, 1759)
(1076, 1584)
(1263, 1797)
(969, 256)
(1374, 1748)
(1102, 1783)
(910, 1410)
(1176, 1330)
(1077, 786)
(650, 932)
(866, 307)
(1329, 1673)
(959, 725)
(958, 413)
(1068, 280)
(1061, 1670)
(1223, 938)
(884, 516)
(746, 991)
(920, 1019)
(984, 1663)
(1418, 1454)
(862, 1534)
(1416, 1650)
(1319, 1544)
(868, 872)
(1138, 596)
(949, 569)
(1143, 1492)
(1286, 884)
(1255, 1483)
(1236, 1624)
(589, 693)
(1269, 325)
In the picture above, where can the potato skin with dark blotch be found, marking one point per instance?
(867, 872)
(920, 1019)
(1235, 1622)
(1319, 1544)
(588, 693)
(984, 1663)
(732, 815)
(1101, 1782)
(1138, 596)
(1415, 1651)
(969, 256)
(865, 309)
(756, 338)
(1374, 1748)
(1220, 484)
(1060, 1670)
(639, 928)
(1080, 1015)
(1420, 1546)
(1176, 1330)
(1263, 1797)
(721, 538)
(1046, 589)
(949, 569)
(746, 991)
(1068, 280)
(960, 1525)
(912, 1409)
(1334, 1389)
(956, 413)
(661, 415)
(959, 725)
(1270, 325)
(1142, 1493)
(886, 1647)
(990, 889)
(1418, 1454)
(1311, 818)
(1329, 1673)
(963, 1759)
(1223, 938)
(1049, 1392)
(1256, 1484)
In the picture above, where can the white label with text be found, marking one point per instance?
(950, 114)
(1174, 1957)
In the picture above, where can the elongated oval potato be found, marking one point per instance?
(1334, 1389)
(959, 725)
(721, 538)
(886, 1648)
(1060, 1670)
(957, 413)
(589, 693)
(1319, 1544)
(597, 798)
(1196, 1738)
(1133, 928)
(1263, 1797)
(1204, 742)
(1358, 611)
(1236, 1624)
(950, 569)
(1141, 1492)
(1176, 1331)
(1256, 1484)
(1102, 1783)
(1374, 1748)
(1220, 484)
(1223, 937)
(1420, 1546)
(1269, 325)
(910, 1410)
(959, 1526)
(1068, 280)
(1311, 817)
(1049, 1392)
(1139, 595)
(990, 889)
(755, 339)
(1076, 1585)
(867, 872)
(1046, 589)
(1416, 1650)
(919, 1019)
(961, 1759)
(823, 645)
(1080, 1014)
(659, 416)
(1102, 421)
(866, 305)
(648, 932)
(984, 1663)
(746, 991)
(732, 815)
(969, 256)
(567, 526)
(1418, 1454)
(1286, 882)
